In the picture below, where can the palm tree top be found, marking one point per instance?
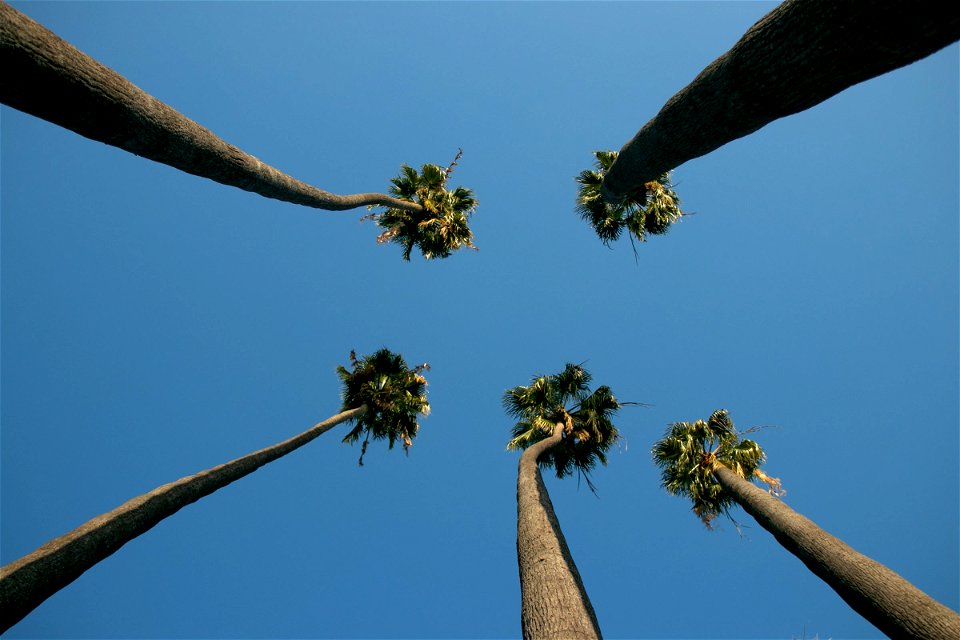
(441, 226)
(564, 398)
(689, 452)
(393, 393)
(650, 211)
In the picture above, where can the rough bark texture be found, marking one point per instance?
(27, 582)
(554, 603)
(883, 597)
(47, 77)
(797, 56)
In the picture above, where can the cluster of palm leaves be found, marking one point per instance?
(564, 399)
(650, 211)
(393, 393)
(441, 227)
(688, 453)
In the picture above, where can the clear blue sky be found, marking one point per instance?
(155, 324)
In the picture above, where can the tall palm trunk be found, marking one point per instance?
(47, 77)
(883, 597)
(27, 582)
(554, 601)
(797, 56)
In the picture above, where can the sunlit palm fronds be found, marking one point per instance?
(393, 393)
(689, 452)
(564, 398)
(442, 226)
(651, 211)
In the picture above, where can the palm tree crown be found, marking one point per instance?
(688, 453)
(393, 393)
(651, 210)
(564, 398)
(441, 227)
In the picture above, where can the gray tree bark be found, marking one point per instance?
(881, 596)
(795, 57)
(554, 603)
(47, 77)
(27, 582)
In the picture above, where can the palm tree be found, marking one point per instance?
(381, 396)
(439, 226)
(651, 209)
(563, 426)
(800, 54)
(47, 77)
(710, 464)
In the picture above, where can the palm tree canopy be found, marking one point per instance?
(441, 227)
(564, 398)
(393, 393)
(650, 211)
(688, 453)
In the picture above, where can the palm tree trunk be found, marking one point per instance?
(797, 56)
(554, 601)
(27, 582)
(47, 77)
(884, 598)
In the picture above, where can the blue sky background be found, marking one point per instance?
(155, 324)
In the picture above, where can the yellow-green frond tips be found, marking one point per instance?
(688, 453)
(564, 398)
(393, 393)
(442, 226)
(650, 211)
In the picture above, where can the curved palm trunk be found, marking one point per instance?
(883, 597)
(554, 601)
(47, 77)
(795, 57)
(27, 582)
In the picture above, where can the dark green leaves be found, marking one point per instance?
(393, 394)
(688, 453)
(441, 227)
(650, 212)
(564, 398)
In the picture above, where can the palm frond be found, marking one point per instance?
(605, 159)
(442, 227)
(528, 432)
(650, 211)
(686, 456)
(393, 393)
(572, 382)
(564, 398)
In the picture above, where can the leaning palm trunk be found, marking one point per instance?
(27, 582)
(883, 597)
(797, 56)
(554, 601)
(47, 77)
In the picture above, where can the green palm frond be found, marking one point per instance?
(564, 398)
(688, 452)
(571, 383)
(442, 227)
(528, 432)
(394, 394)
(651, 211)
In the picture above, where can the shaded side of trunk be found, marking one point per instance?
(881, 596)
(47, 77)
(797, 56)
(554, 603)
(27, 582)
